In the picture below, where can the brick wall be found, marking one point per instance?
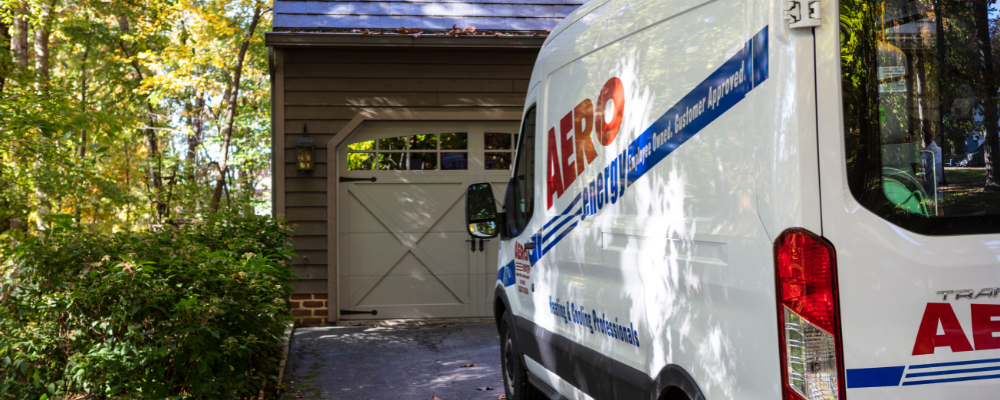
(310, 309)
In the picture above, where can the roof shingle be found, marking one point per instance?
(502, 15)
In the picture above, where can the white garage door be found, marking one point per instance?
(403, 248)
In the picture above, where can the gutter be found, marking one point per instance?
(341, 40)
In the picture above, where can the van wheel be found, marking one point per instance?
(515, 375)
(674, 393)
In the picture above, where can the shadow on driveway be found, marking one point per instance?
(395, 362)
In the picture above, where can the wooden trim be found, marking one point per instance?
(332, 253)
(279, 145)
(333, 183)
(297, 39)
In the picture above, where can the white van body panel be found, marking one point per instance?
(888, 275)
(685, 254)
(683, 257)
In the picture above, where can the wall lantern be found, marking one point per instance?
(305, 151)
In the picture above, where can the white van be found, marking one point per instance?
(734, 199)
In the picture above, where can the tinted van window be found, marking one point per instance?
(523, 195)
(920, 84)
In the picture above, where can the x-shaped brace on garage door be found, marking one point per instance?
(409, 244)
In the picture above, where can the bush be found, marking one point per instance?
(192, 312)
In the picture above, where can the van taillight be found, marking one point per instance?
(808, 317)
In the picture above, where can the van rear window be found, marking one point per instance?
(921, 116)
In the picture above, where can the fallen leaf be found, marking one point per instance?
(443, 326)
(502, 397)
(484, 388)
(469, 365)
(435, 398)
(408, 31)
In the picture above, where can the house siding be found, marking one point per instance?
(330, 87)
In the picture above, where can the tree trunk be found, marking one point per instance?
(83, 99)
(231, 103)
(42, 44)
(5, 40)
(20, 39)
(152, 141)
(991, 114)
(195, 119)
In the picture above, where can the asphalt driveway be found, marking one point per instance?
(395, 362)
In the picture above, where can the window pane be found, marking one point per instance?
(453, 161)
(396, 143)
(497, 141)
(361, 161)
(920, 95)
(498, 161)
(524, 172)
(391, 161)
(423, 142)
(454, 141)
(366, 145)
(423, 161)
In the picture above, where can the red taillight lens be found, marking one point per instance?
(808, 316)
(805, 271)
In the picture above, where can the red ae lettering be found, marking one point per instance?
(571, 149)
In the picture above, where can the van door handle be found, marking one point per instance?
(529, 246)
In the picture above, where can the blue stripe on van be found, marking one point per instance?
(751, 60)
(698, 107)
(874, 377)
(506, 274)
(896, 376)
(952, 364)
(961, 379)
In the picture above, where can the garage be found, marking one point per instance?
(425, 98)
(404, 251)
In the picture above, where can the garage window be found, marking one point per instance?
(493, 144)
(427, 152)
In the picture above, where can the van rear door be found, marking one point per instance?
(909, 87)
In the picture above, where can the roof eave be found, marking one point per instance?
(335, 40)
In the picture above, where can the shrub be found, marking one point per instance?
(197, 311)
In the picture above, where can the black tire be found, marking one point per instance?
(515, 375)
(674, 393)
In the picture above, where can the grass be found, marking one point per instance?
(964, 193)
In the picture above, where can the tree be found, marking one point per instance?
(127, 115)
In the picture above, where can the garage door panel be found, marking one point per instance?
(360, 219)
(415, 311)
(413, 207)
(441, 247)
(409, 265)
(371, 251)
(453, 220)
(413, 290)
(405, 243)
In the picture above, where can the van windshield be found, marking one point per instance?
(921, 117)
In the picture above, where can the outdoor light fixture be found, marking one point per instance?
(305, 151)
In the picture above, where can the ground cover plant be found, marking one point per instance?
(190, 311)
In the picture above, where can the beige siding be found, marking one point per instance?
(329, 87)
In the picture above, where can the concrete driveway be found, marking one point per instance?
(395, 362)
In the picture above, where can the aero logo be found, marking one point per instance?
(614, 92)
(571, 148)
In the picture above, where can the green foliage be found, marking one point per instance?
(191, 312)
(124, 126)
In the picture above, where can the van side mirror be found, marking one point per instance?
(481, 210)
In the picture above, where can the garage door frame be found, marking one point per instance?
(499, 114)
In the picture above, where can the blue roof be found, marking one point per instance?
(501, 15)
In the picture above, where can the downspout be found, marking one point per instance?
(274, 140)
